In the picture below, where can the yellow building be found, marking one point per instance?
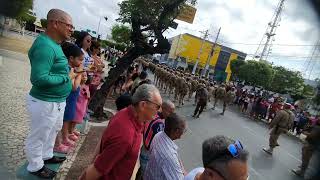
(187, 47)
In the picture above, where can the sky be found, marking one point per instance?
(243, 24)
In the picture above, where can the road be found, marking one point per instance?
(253, 135)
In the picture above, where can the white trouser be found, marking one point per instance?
(46, 119)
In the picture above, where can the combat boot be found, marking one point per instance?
(269, 151)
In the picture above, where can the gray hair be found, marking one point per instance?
(144, 92)
(57, 14)
(168, 103)
(213, 147)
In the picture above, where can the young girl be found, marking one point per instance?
(81, 106)
(75, 58)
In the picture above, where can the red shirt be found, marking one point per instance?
(120, 145)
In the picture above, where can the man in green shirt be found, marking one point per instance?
(51, 84)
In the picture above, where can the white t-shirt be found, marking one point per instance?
(192, 174)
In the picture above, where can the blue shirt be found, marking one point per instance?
(164, 161)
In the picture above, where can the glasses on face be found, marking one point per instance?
(70, 26)
(88, 41)
(157, 105)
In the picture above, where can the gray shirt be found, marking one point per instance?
(164, 161)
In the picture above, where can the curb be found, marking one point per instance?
(67, 164)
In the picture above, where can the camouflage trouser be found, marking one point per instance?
(307, 151)
(274, 136)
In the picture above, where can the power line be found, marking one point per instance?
(253, 44)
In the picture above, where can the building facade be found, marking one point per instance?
(187, 48)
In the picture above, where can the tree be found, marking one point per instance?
(15, 8)
(287, 82)
(256, 73)
(121, 34)
(24, 18)
(235, 67)
(316, 98)
(150, 17)
(44, 23)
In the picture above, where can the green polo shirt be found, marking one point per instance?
(49, 70)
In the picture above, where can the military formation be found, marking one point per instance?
(181, 86)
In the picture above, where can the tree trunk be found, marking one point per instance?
(98, 100)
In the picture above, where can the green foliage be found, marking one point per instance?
(256, 73)
(15, 8)
(44, 23)
(25, 18)
(316, 98)
(287, 82)
(121, 34)
(151, 18)
(235, 67)
(106, 43)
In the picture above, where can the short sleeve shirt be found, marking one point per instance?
(120, 145)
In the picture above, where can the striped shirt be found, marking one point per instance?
(164, 161)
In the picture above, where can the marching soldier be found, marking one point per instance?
(219, 95)
(280, 124)
(202, 96)
(312, 142)
(228, 99)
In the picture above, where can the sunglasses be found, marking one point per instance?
(232, 150)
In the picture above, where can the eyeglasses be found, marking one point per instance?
(70, 26)
(157, 105)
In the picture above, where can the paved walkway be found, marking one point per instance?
(15, 84)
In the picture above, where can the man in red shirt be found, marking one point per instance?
(121, 141)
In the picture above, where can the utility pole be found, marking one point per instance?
(200, 52)
(98, 28)
(271, 33)
(204, 71)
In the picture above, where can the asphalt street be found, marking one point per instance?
(253, 135)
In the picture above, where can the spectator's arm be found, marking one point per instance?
(42, 60)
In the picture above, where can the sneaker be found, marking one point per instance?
(69, 143)
(298, 172)
(73, 137)
(44, 173)
(269, 151)
(62, 149)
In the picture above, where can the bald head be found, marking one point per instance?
(59, 26)
(167, 108)
(57, 14)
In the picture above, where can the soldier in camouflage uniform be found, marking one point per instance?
(219, 95)
(228, 99)
(279, 125)
(202, 97)
(211, 90)
(183, 91)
